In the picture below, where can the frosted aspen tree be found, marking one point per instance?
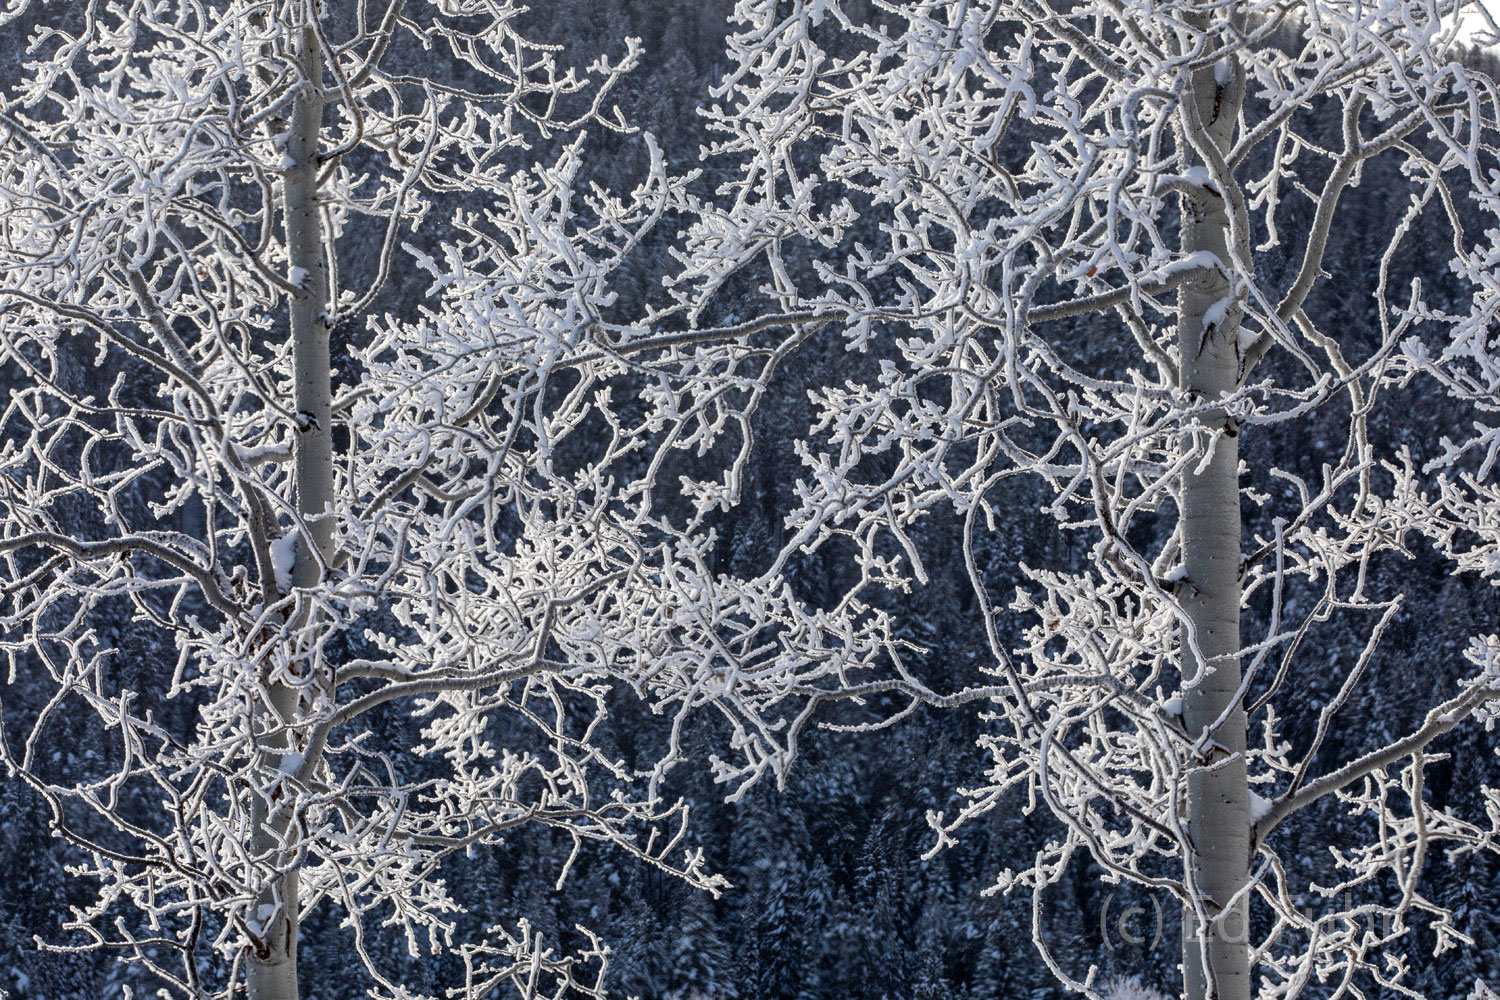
(333, 507)
(1078, 242)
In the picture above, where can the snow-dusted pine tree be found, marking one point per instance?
(462, 516)
(1081, 244)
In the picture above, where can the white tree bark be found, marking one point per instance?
(1215, 941)
(273, 967)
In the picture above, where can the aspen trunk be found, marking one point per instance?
(1215, 966)
(272, 971)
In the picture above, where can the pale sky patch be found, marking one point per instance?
(1474, 27)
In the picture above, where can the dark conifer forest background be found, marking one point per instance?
(831, 897)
